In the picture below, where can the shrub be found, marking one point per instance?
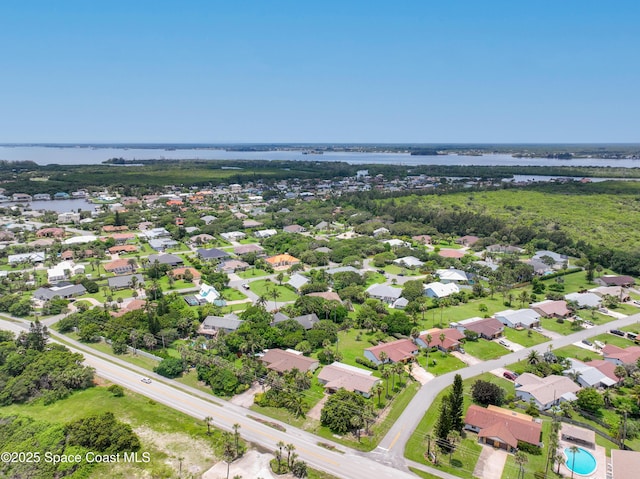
(529, 448)
(116, 390)
(366, 363)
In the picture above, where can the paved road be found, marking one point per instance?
(349, 464)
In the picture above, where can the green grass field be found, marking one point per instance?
(444, 363)
(526, 338)
(485, 350)
(261, 288)
(577, 352)
(252, 273)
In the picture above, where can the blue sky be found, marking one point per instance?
(324, 71)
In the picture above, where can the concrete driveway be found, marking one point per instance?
(490, 463)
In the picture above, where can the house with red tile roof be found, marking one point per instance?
(125, 248)
(503, 428)
(450, 343)
(620, 356)
(120, 266)
(451, 253)
(487, 328)
(400, 351)
(343, 376)
(50, 233)
(282, 261)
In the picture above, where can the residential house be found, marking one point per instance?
(617, 292)
(451, 341)
(343, 269)
(32, 258)
(620, 356)
(297, 281)
(68, 217)
(343, 376)
(327, 295)
(587, 375)
(440, 290)
(64, 270)
(282, 261)
(50, 233)
(233, 236)
(233, 265)
(170, 259)
(120, 266)
(520, 319)
(380, 232)
(387, 294)
(397, 243)
(201, 239)
(21, 198)
(584, 300)
(212, 324)
(294, 229)
(624, 464)
(545, 392)
(133, 305)
(552, 309)
(487, 328)
(162, 244)
(307, 321)
(122, 282)
(559, 260)
(251, 224)
(178, 273)
(467, 240)
(424, 239)
(125, 248)
(67, 255)
(62, 292)
(208, 294)
(122, 238)
(208, 219)
(402, 350)
(451, 253)
(400, 303)
(287, 360)
(211, 254)
(503, 428)
(613, 280)
(114, 229)
(248, 248)
(452, 275)
(265, 233)
(155, 233)
(408, 262)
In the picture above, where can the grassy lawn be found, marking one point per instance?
(577, 352)
(466, 455)
(252, 273)
(395, 269)
(444, 363)
(177, 284)
(551, 324)
(191, 379)
(526, 338)
(103, 347)
(484, 349)
(100, 296)
(608, 338)
(260, 288)
(231, 294)
(374, 278)
(573, 282)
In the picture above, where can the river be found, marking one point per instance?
(85, 155)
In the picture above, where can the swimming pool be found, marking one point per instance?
(584, 463)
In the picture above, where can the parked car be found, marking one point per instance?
(510, 375)
(632, 336)
(146, 380)
(462, 351)
(245, 285)
(587, 342)
(505, 343)
(617, 332)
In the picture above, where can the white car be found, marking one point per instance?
(504, 343)
(146, 380)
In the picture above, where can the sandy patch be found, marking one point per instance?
(246, 398)
(252, 465)
(316, 411)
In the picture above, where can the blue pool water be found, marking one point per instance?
(584, 463)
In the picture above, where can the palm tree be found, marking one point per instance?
(398, 368)
(521, 459)
(208, 421)
(574, 450)
(133, 336)
(524, 298)
(149, 341)
(415, 334)
(442, 338)
(275, 294)
(378, 388)
(236, 435)
(534, 357)
(384, 372)
(383, 357)
(560, 460)
(427, 340)
(289, 448)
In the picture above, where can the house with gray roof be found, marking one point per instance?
(63, 292)
(297, 281)
(384, 293)
(170, 259)
(162, 244)
(212, 254)
(212, 324)
(121, 282)
(584, 300)
(343, 269)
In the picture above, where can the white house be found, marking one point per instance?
(522, 318)
(384, 293)
(440, 290)
(545, 392)
(208, 293)
(64, 270)
(452, 275)
(408, 261)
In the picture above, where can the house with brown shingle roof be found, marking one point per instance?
(125, 248)
(178, 273)
(282, 361)
(611, 280)
(487, 328)
(402, 350)
(248, 248)
(114, 229)
(342, 376)
(552, 309)
(50, 233)
(545, 392)
(503, 428)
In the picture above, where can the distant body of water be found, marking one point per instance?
(43, 155)
(59, 206)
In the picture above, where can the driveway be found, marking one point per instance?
(420, 375)
(466, 358)
(490, 463)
